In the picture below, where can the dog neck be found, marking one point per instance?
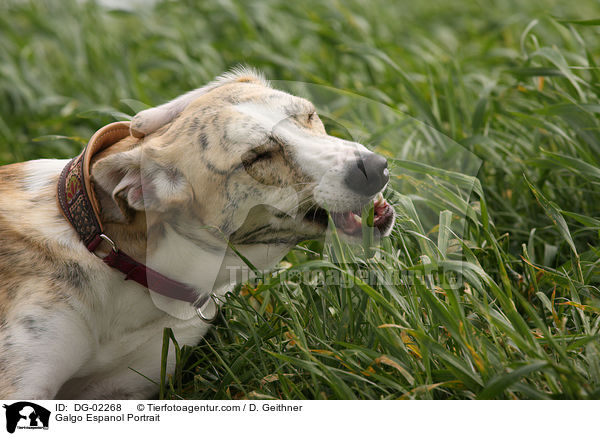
(78, 203)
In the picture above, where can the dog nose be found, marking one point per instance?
(368, 174)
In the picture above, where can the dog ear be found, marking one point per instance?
(137, 181)
(150, 120)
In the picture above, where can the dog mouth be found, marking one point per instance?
(350, 222)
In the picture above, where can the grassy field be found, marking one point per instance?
(488, 285)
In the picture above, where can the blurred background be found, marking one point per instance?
(513, 83)
(67, 66)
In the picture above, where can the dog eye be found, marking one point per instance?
(252, 157)
(311, 116)
(262, 156)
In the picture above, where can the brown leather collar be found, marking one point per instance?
(80, 207)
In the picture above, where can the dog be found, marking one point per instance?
(233, 172)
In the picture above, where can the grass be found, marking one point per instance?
(494, 146)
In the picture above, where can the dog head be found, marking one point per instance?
(247, 160)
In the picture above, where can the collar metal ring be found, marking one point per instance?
(201, 315)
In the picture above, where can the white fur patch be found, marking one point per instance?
(39, 172)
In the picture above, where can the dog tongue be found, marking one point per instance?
(348, 222)
(351, 222)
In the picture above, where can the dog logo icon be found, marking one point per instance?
(26, 415)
